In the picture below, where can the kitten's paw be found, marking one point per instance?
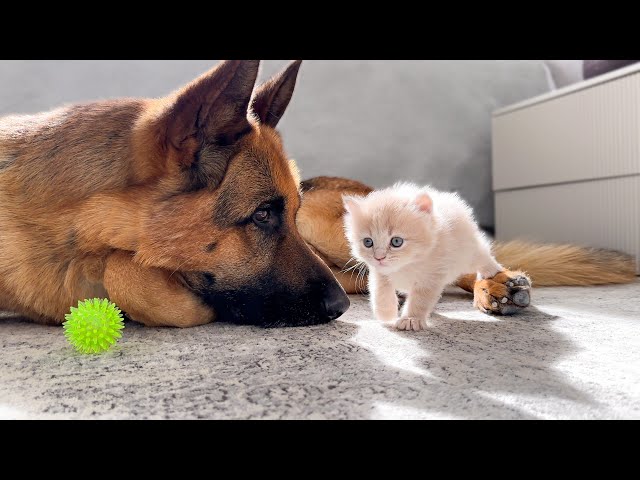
(504, 294)
(411, 323)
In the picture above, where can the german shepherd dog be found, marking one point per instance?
(181, 210)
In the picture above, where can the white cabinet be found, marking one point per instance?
(566, 165)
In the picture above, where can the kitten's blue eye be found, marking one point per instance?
(397, 242)
(368, 242)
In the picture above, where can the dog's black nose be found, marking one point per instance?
(335, 302)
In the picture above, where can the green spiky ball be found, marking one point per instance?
(94, 326)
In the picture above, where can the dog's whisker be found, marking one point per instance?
(178, 268)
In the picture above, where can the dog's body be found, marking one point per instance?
(180, 210)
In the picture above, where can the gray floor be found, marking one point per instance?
(576, 354)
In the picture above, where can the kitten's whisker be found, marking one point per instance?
(357, 271)
(351, 259)
(357, 268)
(344, 270)
(360, 280)
(350, 268)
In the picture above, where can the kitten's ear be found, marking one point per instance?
(424, 203)
(351, 204)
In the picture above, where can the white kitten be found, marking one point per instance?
(415, 240)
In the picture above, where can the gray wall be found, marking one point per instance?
(376, 121)
(563, 72)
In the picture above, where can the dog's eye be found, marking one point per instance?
(261, 216)
(367, 242)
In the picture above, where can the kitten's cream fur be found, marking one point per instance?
(441, 242)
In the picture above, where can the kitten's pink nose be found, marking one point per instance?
(380, 256)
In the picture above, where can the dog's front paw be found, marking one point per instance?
(411, 323)
(504, 294)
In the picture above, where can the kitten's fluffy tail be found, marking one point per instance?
(555, 265)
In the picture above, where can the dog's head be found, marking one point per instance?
(227, 198)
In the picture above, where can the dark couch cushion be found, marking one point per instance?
(593, 68)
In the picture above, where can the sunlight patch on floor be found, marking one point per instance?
(10, 413)
(573, 311)
(466, 316)
(393, 348)
(389, 411)
(543, 407)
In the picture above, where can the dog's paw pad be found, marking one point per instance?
(519, 281)
(504, 306)
(521, 298)
(505, 294)
(508, 309)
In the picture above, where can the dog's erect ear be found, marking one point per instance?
(272, 97)
(212, 109)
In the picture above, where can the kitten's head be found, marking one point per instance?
(388, 229)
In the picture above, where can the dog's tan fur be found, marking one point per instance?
(559, 264)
